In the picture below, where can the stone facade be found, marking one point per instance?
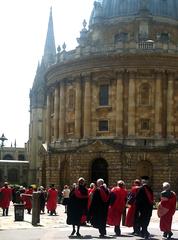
(132, 61)
(14, 166)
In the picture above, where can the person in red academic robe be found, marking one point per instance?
(91, 190)
(27, 199)
(117, 206)
(52, 195)
(6, 196)
(130, 217)
(166, 210)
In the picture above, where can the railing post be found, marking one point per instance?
(35, 208)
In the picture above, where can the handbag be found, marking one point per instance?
(161, 211)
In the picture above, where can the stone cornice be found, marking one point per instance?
(115, 63)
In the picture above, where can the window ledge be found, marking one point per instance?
(99, 131)
(104, 107)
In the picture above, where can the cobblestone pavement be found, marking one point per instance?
(55, 227)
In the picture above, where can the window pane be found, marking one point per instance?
(103, 95)
(145, 124)
(103, 125)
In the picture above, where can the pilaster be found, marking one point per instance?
(131, 104)
(158, 104)
(78, 114)
(87, 106)
(48, 119)
(119, 104)
(62, 110)
(170, 116)
(56, 113)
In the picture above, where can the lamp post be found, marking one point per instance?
(3, 138)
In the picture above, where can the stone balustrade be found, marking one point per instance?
(120, 47)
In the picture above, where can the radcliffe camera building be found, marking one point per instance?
(109, 108)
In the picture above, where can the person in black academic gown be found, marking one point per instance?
(77, 206)
(144, 206)
(99, 207)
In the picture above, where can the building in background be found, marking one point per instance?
(13, 166)
(109, 108)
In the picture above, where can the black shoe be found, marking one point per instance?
(165, 234)
(72, 233)
(136, 233)
(118, 233)
(169, 235)
(147, 235)
(79, 235)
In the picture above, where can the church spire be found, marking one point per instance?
(50, 48)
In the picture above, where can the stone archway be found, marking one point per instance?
(99, 169)
(8, 157)
(145, 168)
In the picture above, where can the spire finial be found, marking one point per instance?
(84, 23)
(59, 48)
(64, 46)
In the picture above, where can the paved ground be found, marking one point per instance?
(55, 227)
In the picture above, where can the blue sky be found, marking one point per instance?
(23, 26)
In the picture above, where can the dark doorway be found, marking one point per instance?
(145, 168)
(99, 170)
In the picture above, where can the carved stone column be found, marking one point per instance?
(87, 107)
(48, 119)
(56, 113)
(62, 111)
(131, 105)
(119, 105)
(170, 116)
(78, 114)
(158, 104)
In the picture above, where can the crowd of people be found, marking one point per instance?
(99, 205)
(20, 195)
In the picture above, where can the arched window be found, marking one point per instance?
(163, 37)
(8, 157)
(21, 157)
(144, 94)
(121, 37)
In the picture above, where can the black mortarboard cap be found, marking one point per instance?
(145, 178)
